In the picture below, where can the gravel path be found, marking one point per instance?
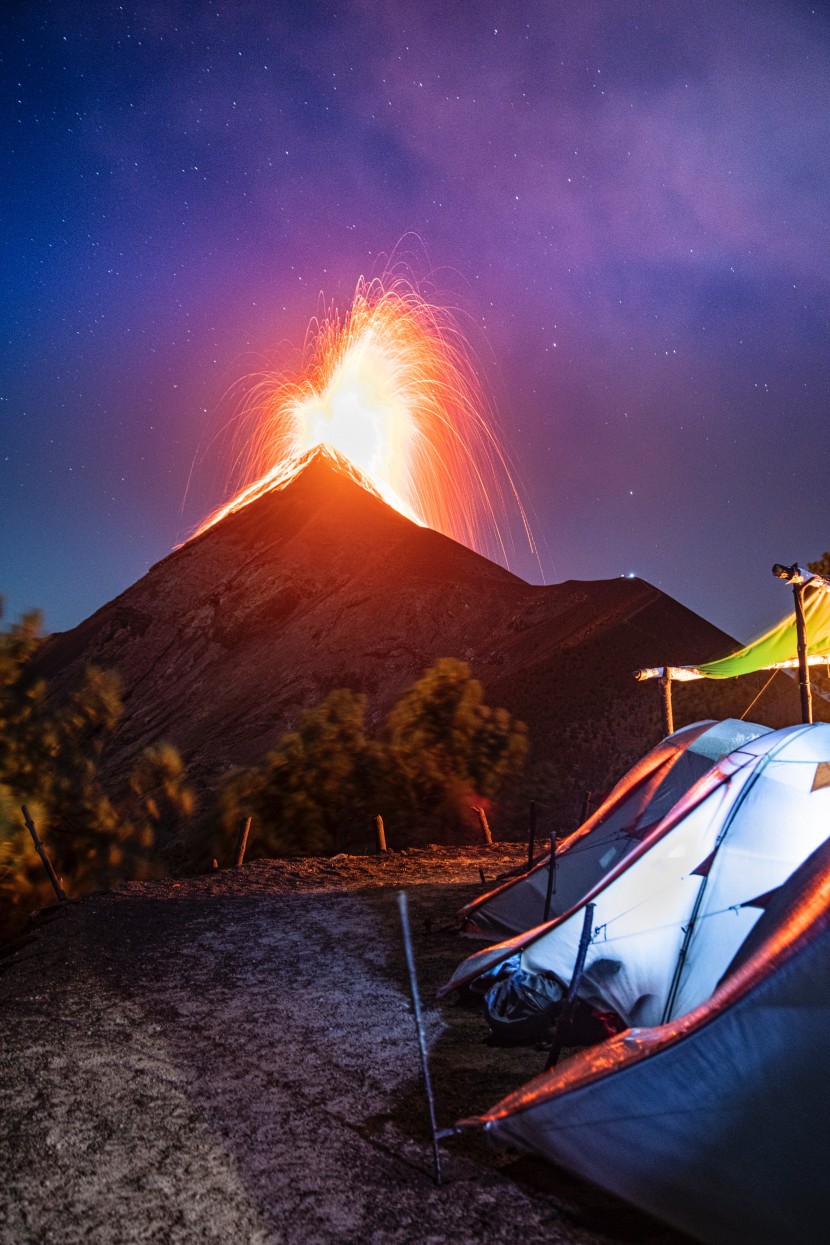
(232, 1059)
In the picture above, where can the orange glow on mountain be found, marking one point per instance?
(389, 385)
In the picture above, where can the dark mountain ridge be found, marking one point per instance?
(318, 584)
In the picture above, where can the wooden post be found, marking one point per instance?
(551, 876)
(566, 1014)
(666, 712)
(484, 823)
(41, 851)
(803, 667)
(531, 838)
(380, 834)
(403, 908)
(586, 805)
(242, 842)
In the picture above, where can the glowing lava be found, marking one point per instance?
(388, 385)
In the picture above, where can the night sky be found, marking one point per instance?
(628, 202)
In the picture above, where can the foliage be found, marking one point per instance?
(822, 565)
(50, 759)
(309, 794)
(441, 751)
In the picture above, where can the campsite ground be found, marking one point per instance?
(232, 1058)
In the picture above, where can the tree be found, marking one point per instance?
(822, 565)
(310, 793)
(447, 750)
(441, 750)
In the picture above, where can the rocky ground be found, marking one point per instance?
(232, 1058)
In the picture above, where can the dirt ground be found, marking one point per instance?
(232, 1058)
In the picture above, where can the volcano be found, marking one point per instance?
(318, 584)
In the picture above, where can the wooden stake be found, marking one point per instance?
(403, 908)
(551, 876)
(586, 805)
(380, 834)
(803, 667)
(41, 851)
(531, 837)
(566, 1014)
(242, 842)
(484, 823)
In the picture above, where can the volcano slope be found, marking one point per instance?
(319, 585)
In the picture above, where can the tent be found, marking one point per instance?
(717, 1121)
(636, 804)
(670, 916)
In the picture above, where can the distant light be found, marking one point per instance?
(631, 575)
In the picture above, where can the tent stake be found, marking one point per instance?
(403, 908)
(803, 667)
(531, 837)
(566, 1014)
(41, 851)
(242, 842)
(551, 876)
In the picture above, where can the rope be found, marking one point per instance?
(758, 697)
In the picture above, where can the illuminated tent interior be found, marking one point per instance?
(715, 1122)
(634, 807)
(669, 918)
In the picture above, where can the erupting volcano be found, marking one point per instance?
(389, 386)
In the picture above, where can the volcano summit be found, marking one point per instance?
(318, 584)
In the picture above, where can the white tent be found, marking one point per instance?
(669, 918)
(635, 805)
(716, 1122)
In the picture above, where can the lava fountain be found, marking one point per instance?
(390, 385)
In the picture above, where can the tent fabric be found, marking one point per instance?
(634, 806)
(779, 643)
(665, 929)
(715, 1122)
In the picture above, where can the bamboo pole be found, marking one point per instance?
(403, 908)
(41, 851)
(380, 834)
(803, 667)
(566, 1014)
(242, 842)
(666, 710)
(551, 876)
(531, 838)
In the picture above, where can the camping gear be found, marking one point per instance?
(717, 1121)
(635, 805)
(672, 914)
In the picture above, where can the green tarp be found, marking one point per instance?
(779, 644)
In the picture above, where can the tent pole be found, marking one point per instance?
(803, 667)
(666, 712)
(403, 908)
(566, 1014)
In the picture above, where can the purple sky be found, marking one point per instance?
(629, 202)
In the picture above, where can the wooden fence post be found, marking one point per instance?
(484, 823)
(531, 838)
(380, 834)
(242, 842)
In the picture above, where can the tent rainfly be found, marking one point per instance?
(634, 807)
(669, 918)
(717, 1121)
